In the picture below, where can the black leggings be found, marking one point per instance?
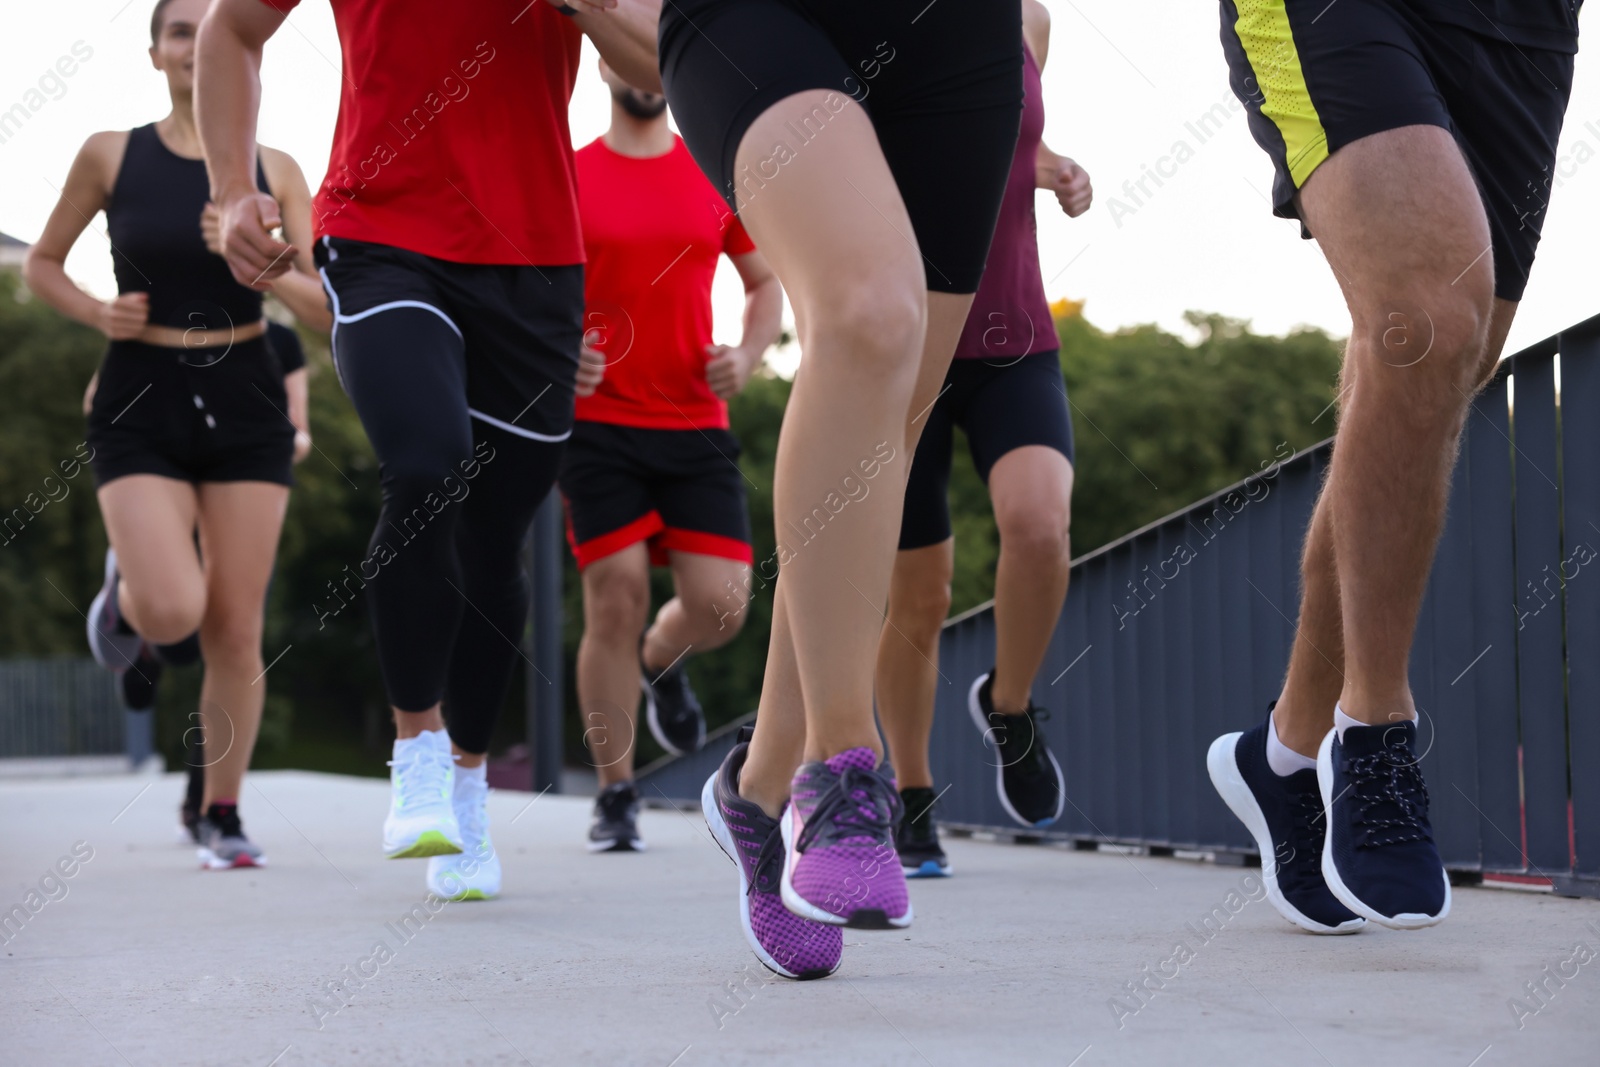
(444, 575)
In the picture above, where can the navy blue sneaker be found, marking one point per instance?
(1379, 858)
(1284, 814)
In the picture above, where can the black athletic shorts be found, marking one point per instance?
(1001, 406)
(196, 414)
(941, 82)
(1315, 77)
(520, 325)
(680, 490)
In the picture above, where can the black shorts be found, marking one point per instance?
(1001, 406)
(1315, 77)
(942, 84)
(196, 415)
(680, 490)
(520, 326)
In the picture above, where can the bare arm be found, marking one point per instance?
(730, 368)
(300, 289)
(1052, 171)
(227, 101)
(294, 384)
(624, 33)
(87, 189)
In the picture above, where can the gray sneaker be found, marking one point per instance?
(112, 643)
(222, 841)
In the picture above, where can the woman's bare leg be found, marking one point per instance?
(239, 526)
(150, 523)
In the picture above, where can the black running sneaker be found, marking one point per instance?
(917, 838)
(1284, 814)
(138, 682)
(615, 827)
(1379, 857)
(1029, 780)
(671, 708)
(222, 841)
(189, 817)
(180, 653)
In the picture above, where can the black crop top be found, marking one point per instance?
(153, 220)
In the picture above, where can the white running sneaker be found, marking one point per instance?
(422, 820)
(475, 873)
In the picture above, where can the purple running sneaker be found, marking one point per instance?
(838, 831)
(787, 944)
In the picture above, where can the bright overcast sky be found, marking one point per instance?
(1121, 87)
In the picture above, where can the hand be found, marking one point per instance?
(254, 256)
(728, 369)
(1072, 188)
(302, 444)
(124, 318)
(211, 228)
(88, 394)
(591, 366)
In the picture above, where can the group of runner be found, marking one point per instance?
(506, 312)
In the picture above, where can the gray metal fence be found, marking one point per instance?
(64, 706)
(1180, 632)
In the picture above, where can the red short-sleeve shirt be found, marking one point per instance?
(452, 136)
(653, 230)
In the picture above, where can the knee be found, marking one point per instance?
(1038, 532)
(1430, 347)
(918, 609)
(615, 607)
(877, 325)
(173, 617)
(231, 638)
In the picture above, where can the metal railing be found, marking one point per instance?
(64, 706)
(1180, 632)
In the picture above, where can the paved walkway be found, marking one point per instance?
(627, 959)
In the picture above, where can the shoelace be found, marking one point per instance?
(422, 775)
(1305, 858)
(1394, 801)
(769, 861)
(858, 804)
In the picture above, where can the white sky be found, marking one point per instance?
(1122, 81)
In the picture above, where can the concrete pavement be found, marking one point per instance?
(1025, 956)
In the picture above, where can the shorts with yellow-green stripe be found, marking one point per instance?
(1316, 75)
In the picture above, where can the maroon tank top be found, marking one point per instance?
(1010, 317)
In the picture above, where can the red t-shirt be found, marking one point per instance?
(452, 136)
(652, 231)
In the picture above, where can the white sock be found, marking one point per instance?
(1281, 758)
(479, 774)
(1342, 722)
(432, 738)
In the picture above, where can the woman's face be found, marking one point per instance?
(173, 52)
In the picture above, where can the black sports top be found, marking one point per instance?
(153, 219)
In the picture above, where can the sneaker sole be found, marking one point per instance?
(860, 919)
(927, 869)
(1230, 785)
(617, 845)
(982, 723)
(428, 843)
(652, 719)
(209, 861)
(1330, 871)
(724, 839)
(470, 894)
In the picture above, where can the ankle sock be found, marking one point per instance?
(1284, 760)
(1342, 722)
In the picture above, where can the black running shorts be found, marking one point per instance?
(195, 415)
(520, 325)
(680, 490)
(1316, 76)
(941, 82)
(1001, 406)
